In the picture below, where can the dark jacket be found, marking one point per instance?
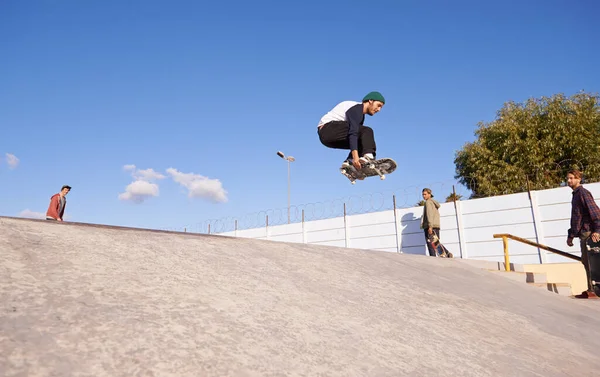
(585, 214)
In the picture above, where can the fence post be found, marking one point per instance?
(346, 235)
(267, 227)
(396, 225)
(208, 228)
(459, 225)
(235, 232)
(537, 224)
(303, 228)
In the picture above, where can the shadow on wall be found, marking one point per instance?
(412, 241)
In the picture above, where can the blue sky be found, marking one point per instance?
(95, 93)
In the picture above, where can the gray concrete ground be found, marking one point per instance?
(99, 301)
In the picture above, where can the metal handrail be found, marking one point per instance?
(506, 236)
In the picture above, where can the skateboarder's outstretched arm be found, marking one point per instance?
(354, 116)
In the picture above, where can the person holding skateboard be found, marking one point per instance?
(430, 222)
(342, 128)
(585, 222)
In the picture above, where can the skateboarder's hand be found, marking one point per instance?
(355, 160)
(595, 237)
(429, 231)
(570, 241)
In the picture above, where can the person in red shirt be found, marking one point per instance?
(58, 202)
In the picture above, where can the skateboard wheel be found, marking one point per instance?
(382, 177)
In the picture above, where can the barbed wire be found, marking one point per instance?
(484, 185)
(351, 205)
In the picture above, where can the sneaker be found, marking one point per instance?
(587, 294)
(346, 164)
(367, 157)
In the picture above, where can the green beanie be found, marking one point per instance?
(376, 96)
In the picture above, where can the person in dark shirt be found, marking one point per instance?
(585, 221)
(343, 128)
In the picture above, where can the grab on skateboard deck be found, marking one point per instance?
(434, 241)
(373, 168)
(593, 252)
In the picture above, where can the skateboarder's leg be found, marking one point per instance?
(366, 141)
(430, 247)
(584, 258)
(334, 135)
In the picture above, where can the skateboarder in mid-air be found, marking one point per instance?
(342, 128)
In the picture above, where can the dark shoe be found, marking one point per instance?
(587, 294)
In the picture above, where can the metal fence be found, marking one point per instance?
(554, 175)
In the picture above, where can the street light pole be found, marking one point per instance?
(288, 190)
(289, 159)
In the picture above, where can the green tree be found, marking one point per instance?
(452, 196)
(534, 142)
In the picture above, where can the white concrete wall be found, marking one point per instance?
(467, 230)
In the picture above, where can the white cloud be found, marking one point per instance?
(148, 175)
(142, 188)
(138, 191)
(144, 175)
(199, 186)
(12, 161)
(32, 214)
(38, 215)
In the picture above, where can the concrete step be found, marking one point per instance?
(537, 279)
(517, 273)
(563, 289)
(483, 264)
(525, 277)
(493, 266)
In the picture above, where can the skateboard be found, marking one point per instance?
(434, 241)
(373, 168)
(593, 249)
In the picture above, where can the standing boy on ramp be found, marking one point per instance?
(342, 128)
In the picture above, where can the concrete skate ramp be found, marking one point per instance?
(99, 301)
